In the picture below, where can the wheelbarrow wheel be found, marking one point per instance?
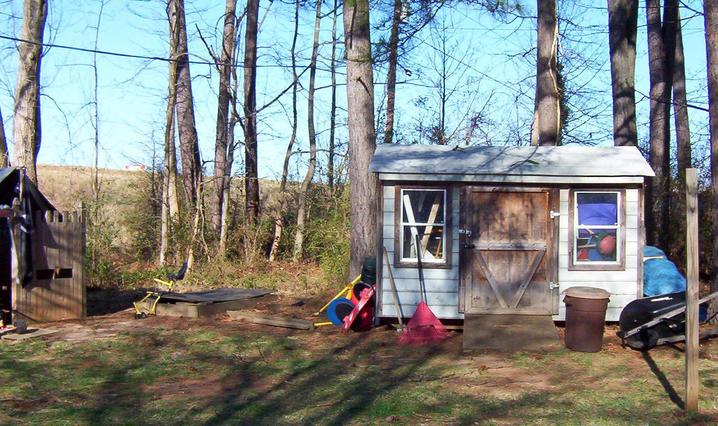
(643, 341)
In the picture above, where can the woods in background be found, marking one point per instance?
(217, 206)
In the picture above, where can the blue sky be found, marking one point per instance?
(492, 75)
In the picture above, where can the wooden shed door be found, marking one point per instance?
(506, 258)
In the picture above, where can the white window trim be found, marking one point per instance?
(403, 224)
(617, 227)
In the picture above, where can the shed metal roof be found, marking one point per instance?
(565, 161)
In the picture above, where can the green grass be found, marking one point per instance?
(210, 375)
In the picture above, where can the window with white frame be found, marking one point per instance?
(423, 219)
(597, 227)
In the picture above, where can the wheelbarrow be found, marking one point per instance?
(651, 321)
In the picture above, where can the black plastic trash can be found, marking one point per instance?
(585, 317)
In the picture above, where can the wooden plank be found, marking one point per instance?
(530, 274)
(510, 333)
(511, 246)
(490, 278)
(443, 312)
(432, 286)
(432, 218)
(271, 320)
(16, 289)
(692, 254)
(27, 336)
(406, 273)
(413, 298)
(394, 293)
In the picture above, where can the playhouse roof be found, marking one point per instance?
(393, 160)
(9, 179)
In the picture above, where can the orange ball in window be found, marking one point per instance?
(607, 245)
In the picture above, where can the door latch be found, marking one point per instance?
(552, 285)
(466, 232)
(470, 246)
(552, 214)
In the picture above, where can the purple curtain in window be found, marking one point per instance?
(597, 214)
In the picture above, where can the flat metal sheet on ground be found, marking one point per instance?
(217, 295)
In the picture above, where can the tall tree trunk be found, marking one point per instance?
(333, 107)
(657, 220)
(683, 133)
(362, 140)
(622, 28)
(189, 146)
(391, 72)
(674, 51)
(279, 215)
(304, 190)
(251, 176)
(4, 156)
(26, 119)
(222, 142)
(235, 118)
(170, 202)
(710, 14)
(548, 113)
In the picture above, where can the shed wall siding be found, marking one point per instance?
(623, 285)
(442, 285)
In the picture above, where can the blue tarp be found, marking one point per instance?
(660, 275)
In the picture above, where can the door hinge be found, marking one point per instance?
(552, 214)
(552, 285)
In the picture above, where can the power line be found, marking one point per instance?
(136, 56)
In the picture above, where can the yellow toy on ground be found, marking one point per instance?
(153, 296)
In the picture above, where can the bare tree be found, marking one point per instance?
(170, 201)
(657, 220)
(222, 142)
(4, 157)
(622, 28)
(279, 214)
(187, 130)
(333, 107)
(251, 175)
(26, 118)
(676, 69)
(710, 15)
(391, 72)
(303, 191)
(362, 140)
(547, 116)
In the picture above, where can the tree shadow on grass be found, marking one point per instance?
(663, 380)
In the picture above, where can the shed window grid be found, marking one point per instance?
(428, 204)
(597, 237)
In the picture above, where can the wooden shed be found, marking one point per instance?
(42, 254)
(504, 230)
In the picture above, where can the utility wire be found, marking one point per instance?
(135, 56)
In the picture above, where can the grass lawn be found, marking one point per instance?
(114, 370)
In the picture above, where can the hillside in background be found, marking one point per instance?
(68, 186)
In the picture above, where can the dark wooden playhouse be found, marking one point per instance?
(42, 254)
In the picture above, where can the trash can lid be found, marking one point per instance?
(587, 293)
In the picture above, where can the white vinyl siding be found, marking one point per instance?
(623, 285)
(442, 285)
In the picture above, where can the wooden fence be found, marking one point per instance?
(57, 289)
